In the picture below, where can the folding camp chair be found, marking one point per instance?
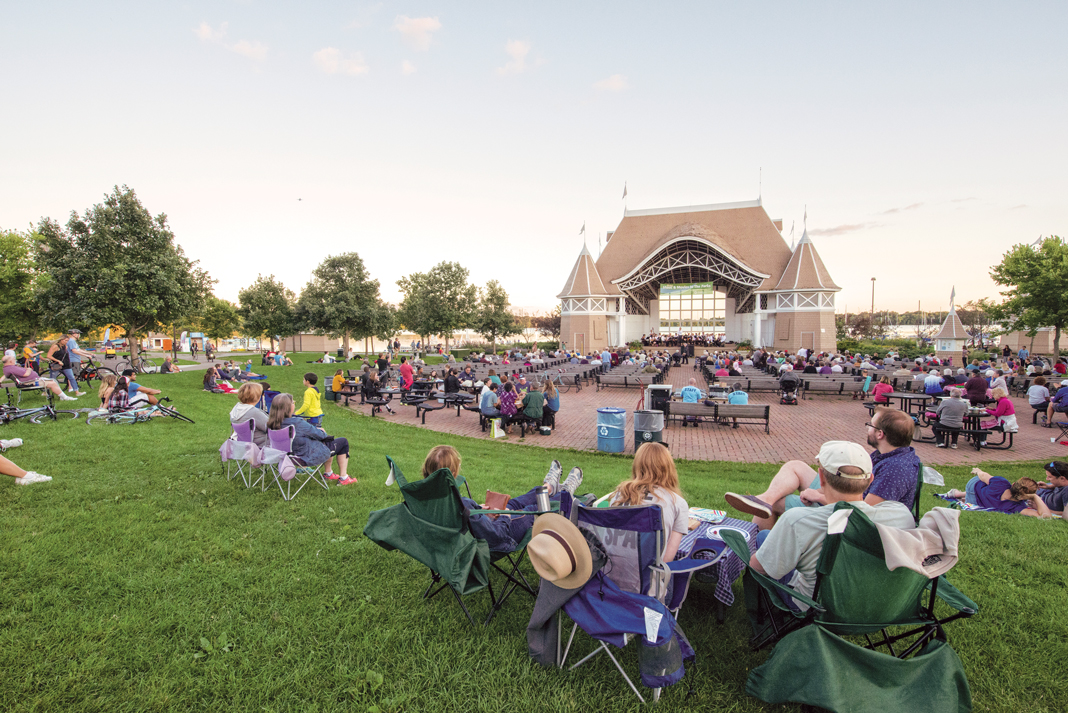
(854, 594)
(432, 527)
(239, 451)
(641, 567)
(282, 441)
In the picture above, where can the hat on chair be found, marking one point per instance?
(559, 552)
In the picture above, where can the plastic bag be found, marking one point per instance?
(496, 430)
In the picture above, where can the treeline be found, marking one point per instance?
(117, 264)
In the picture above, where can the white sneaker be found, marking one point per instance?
(13, 443)
(64, 397)
(32, 477)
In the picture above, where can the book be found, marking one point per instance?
(707, 515)
(496, 501)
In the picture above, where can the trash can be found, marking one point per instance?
(330, 395)
(648, 427)
(611, 429)
(341, 352)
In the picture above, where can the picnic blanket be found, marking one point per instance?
(961, 505)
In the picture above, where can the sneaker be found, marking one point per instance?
(332, 476)
(552, 478)
(347, 481)
(13, 443)
(749, 504)
(954, 446)
(574, 479)
(79, 393)
(940, 445)
(32, 477)
(982, 443)
(1043, 419)
(64, 397)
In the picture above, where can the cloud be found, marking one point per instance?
(331, 61)
(518, 51)
(407, 67)
(615, 83)
(914, 206)
(417, 31)
(246, 48)
(252, 50)
(842, 229)
(207, 34)
(1018, 207)
(963, 200)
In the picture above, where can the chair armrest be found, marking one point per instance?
(554, 506)
(953, 596)
(740, 547)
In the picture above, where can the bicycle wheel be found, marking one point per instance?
(59, 415)
(174, 414)
(111, 418)
(121, 366)
(102, 371)
(146, 366)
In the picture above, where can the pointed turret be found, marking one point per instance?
(952, 328)
(584, 280)
(806, 270)
(949, 342)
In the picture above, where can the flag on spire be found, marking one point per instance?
(624, 191)
(583, 231)
(952, 296)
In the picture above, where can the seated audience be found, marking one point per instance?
(1004, 413)
(1038, 396)
(881, 389)
(245, 409)
(140, 394)
(1058, 403)
(951, 413)
(552, 403)
(25, 376)
(311, 444)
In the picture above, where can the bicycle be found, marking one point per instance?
(10, 412)
(137, 415)
(140, 365)
(92, 370)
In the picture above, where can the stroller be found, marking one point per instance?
(789, 383)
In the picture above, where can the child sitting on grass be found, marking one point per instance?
(311, 409)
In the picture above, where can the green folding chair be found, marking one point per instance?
(855, 594)
(432, 527)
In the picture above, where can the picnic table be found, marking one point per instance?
(908, 400)
(728, 567)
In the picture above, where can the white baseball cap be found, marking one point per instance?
(836, 454)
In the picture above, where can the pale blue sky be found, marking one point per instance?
(924, 139)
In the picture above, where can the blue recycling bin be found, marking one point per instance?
(611, 429)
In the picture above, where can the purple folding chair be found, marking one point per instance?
(240, 452)
(282, 442)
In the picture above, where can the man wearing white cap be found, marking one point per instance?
(790, 551)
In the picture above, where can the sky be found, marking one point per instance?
(923, 139)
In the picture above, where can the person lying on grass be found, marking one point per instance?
(26, 376)
(311, 445)
(22, 477)
(1054, 492)
(997, 493)
(503, 532)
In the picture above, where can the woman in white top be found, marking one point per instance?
(654, 481)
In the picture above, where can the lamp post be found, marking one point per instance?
(872, 317)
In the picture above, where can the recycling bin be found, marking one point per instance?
(611, 429)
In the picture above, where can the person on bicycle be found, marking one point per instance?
(138, 393)
(59, 355)
(76, 353)
(209, 351)
(26, 376)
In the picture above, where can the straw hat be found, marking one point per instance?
(559, 552)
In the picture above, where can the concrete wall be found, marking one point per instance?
(812, 330)
(311, 343)
(1043, 341)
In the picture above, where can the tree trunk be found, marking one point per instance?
(131, 343)
(272, 343)
(1056, 343)
(345, 345)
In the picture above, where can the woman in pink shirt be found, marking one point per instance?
(880, 390)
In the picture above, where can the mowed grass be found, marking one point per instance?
(114, 575)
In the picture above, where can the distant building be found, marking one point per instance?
(310, 343)
(720, 269)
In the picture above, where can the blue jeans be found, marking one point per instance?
(315, 420)
(504, 533)
(969, 491)
(72, 383)
(491, 413)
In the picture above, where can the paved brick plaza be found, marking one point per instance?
(796, 431)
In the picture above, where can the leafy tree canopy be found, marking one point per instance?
(116, 264)
(549, 324)
(220, 319)
(493, 319)
(439, 301)
(341, 300)
(1036, 278)
(267, 309)
(20, 312)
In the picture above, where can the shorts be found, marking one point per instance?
(138, 398)
(969, 490)
(793, 500)
(339, 447)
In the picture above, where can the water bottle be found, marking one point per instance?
(542, 495)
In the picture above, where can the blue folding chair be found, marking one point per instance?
(636, 594)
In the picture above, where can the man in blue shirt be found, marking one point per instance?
(489, 405)
(691, 394)
(1057, 404)
(1023, 353)
(606, 359)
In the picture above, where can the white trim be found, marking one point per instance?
(722, 251)
(692, 208)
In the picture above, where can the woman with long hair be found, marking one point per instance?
(119, 398)
(552, 403)
(107, 384)
(311, 445)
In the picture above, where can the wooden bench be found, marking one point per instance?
(834, 388)
(738, 413)
(634, 380)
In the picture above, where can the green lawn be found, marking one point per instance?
(114, 574)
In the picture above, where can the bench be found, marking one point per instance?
(834, 388)
(637, 380)
(427, 406)
(738, 413)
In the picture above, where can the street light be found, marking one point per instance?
(872, 328)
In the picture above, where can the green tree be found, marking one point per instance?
(116, 264)
(220, 319)
(977, 316)
(1036, 278)
(20, 312)
(439, 301)
(548, 324)
(341, 300)
(267, 309)
(494, 320)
